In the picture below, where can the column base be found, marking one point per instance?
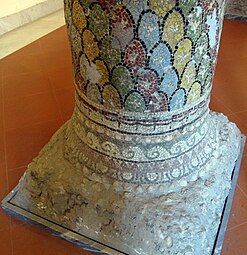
(186, 216)
(236, 10)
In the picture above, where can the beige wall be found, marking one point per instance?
(12, 6)
(15, 13)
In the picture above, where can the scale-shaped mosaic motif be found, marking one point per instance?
(143, 56)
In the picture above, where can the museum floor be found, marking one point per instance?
(36, 98)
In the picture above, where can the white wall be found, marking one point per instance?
(8, 7)
(15, 13)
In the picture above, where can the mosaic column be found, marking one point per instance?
(143, 165)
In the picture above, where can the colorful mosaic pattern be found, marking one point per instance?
(143, 72)
(143, 56)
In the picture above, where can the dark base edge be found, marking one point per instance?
(228, 203)
(236, 16)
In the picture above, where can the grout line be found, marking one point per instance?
(242, 191)
(22, 73)
(53, 92)
(16, 168)
(25, 96)
(49, 91)
(231, 112)
(237, 226)
(11, 238)
(56, 100)
(245, 222)
(234, 114)
(240, 111)
(5, 155)
(239, 119)
(4, 131)
(36, 124)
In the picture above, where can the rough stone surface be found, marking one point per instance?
(179, 217)
(237, 9)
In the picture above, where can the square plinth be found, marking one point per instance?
(93, 246)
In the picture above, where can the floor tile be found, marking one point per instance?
(4, 221)
(242, 116)
(1, 72)
(55, 41)
(25, 84)
(56, 55)
(2, 144)
(4, 218)
(57, 60)
(239, 209)
(3, 181)
(2, 149)
(30, 49)
(13, 177)
(228, 51)
(218, 106)
(30, 240)
(61, 78)
(66, 117)
(229, 87)
(240, 124)
(29, 110)
(232, 39)
(65, 101)
(24, 143)
(20, 63)
(5, 241)
(245, 150)
(234, 31)
(235, 241)
(242, 178)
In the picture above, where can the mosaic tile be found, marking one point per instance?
(98, 22)
(110, 51)
(173, 30)
(124, 39)
(177, 99)
(147, 31)
(194, 92)
(122, 26)
(189, 76)
(135, 102)
(79, 17)
(182, 55)
(170, 81)
(111, 98)
(90, 45)
(162, 8)
(122, 80)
